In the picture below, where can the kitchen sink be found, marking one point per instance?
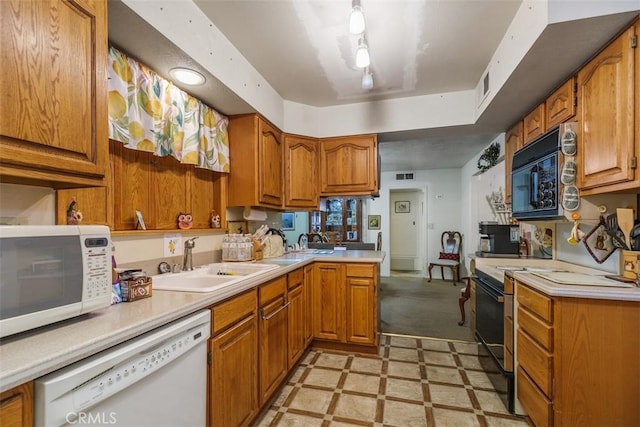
(210, 277)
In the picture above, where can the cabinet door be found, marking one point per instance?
(298, 315)
(53, 88)
(297, 311)
(233, 388)
(202, 196)
(606, 146)
(561, 104)
(301, 172)
(168, 192)
(16, 406)
(534, 124)
(328, 302)
(349, 165)
(273, 347)
(512, 142)
(361, 307)
(270, 168)
(131, 184)
(308, 289)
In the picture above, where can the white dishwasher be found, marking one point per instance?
(157, 379)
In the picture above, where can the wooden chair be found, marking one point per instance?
(451, 242)
(465, 294)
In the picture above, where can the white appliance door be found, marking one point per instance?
(158, 379)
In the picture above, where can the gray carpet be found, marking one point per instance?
(413, 306)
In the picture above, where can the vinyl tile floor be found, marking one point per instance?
(413, 381)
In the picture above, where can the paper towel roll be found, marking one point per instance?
(251, 214)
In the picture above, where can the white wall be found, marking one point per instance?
(443, 188)
(22, 205)
(475, 187)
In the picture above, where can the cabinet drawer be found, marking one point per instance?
(541, 332)
(535, 361)
(229, 312)
(272, 290)
(538, 407)
(294, 278)
(536, 302)
(361, 270)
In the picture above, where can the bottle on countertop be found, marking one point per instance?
(304, 243)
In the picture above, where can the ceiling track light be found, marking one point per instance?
(356, 20)
(362, 54)
(367, 79)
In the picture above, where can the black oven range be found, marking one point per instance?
(494, 310)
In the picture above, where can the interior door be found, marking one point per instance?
(406, 213)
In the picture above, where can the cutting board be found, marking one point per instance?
(568, 278)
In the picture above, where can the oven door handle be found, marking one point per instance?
(493, 294)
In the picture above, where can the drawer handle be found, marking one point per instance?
(274, 313)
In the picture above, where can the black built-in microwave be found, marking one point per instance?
(535, 184)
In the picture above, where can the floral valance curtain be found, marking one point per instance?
(149, 113)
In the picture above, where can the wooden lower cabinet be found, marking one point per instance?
(273, 327)
(328, 302)
(16, 406)
(308, 318)
(233, 362)
(362, 307)
(298, 315)
(577, 360)
(345, 303)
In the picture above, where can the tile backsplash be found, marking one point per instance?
(578, 254)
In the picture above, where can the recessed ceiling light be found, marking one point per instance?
(187, 76)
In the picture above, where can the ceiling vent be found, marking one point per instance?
(404, 176)
(483, 87)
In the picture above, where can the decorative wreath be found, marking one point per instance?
(489, 158)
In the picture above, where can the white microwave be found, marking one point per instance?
(52, 273)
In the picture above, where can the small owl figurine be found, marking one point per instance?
(185, 221)
(214, 220)
(74, 216)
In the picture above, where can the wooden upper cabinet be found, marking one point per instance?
(161, 188)
(561, 104)
(349, 165)
(607, 151)
(256, 155)
(534, 124)
(53, 91)
(131, 186)
(301, 172)
(512, 142)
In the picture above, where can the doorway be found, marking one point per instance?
(407, 241)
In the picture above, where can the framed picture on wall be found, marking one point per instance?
(374, 222)
(403, 206)
(288, 221)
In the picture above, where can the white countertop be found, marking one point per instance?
(31, 354)
(489, 266)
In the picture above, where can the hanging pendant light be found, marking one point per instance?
(356, 20)
(367, 79)
(362, 54)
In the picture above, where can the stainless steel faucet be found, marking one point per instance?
(187, 261)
